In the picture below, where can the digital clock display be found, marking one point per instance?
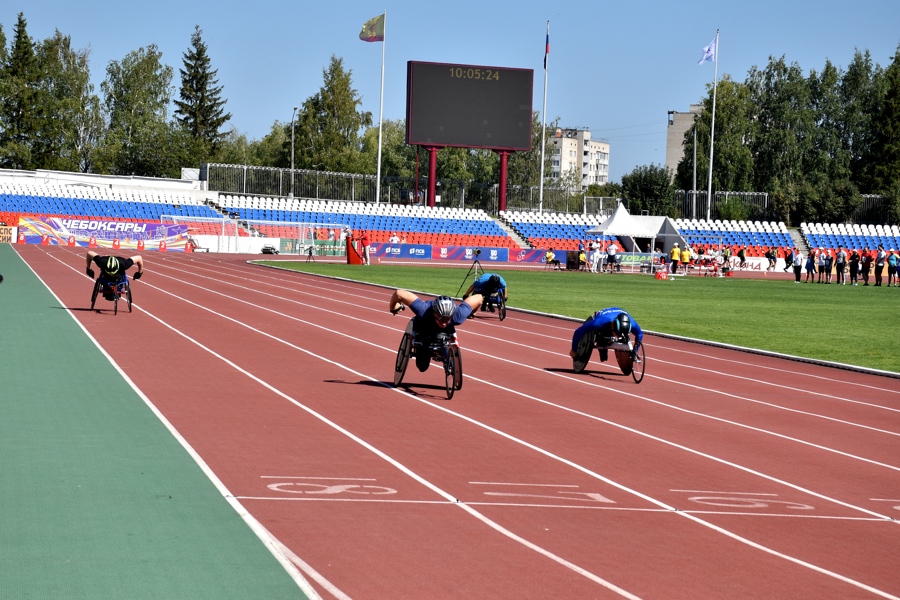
(468, 106)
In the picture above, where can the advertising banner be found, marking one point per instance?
(471, 253)
(400, 251)
(90, 233)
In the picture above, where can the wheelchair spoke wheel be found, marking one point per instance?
(449, 373)
(403, 353)
(94, 293)
(584, 348)
(456, 357)
(501, 307)
(115, 294)
(637, 371)
(128, 295)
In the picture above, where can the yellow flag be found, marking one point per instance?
(373, 30)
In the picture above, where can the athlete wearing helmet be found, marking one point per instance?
(440, 315)
(607, 323)
(487, 285)
(112, 267)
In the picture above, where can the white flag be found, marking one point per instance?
(709, 52)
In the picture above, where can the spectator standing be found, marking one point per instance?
(796, 259)
(854, 268)
(675, 256)
(594, 257)
(840, 265)
(811, 267)
(892, 261)
(880, 257)
(612, 259)
(829, 264)
(820, 264)
(742, 254)
(394, 239)
(865, 265)
(364, 240)
(686, 258)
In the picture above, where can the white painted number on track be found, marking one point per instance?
(295, 487)
(742, 500)
(558, 494)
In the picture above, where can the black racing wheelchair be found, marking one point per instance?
(112, 290)
(629, 355)
(444, 350)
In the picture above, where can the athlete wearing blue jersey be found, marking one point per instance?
(433, 317)
(607, 324)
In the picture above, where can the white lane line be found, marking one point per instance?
(505, 435)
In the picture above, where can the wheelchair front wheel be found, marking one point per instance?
(456, 357)
(403, 353)
(449, 373)
(95, 293)
(583, 349)
(501, 306)
(128, 295)
(640, 364)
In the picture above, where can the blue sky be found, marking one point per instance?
(615, 68)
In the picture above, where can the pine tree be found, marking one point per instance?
(201, 108)
(18, 99)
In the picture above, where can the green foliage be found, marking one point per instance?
(200, 108)
(886, 143)
(20, 101)
(734, 311)
(329, 125)
(649, 188)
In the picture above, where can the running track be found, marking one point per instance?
(722, 475)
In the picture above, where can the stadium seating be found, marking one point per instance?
(561, 231)
(854, 236)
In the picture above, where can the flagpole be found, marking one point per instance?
(380, 113)
(544, 123)
(712, 129)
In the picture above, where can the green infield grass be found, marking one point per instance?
(844, 324)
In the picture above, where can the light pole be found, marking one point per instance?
(293, 114)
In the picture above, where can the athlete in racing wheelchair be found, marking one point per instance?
(113, 281)
(431, 335)
(492, 287)
(609, 329)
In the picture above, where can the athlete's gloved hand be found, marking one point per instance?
(400, 309)
(90, 272)
(138, 275)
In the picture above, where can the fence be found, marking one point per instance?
(250, 235)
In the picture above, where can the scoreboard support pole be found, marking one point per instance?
(432, 173)
(504, 163)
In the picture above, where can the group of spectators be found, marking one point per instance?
(822, 265)
(591, 253)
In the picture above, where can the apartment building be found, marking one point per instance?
(679, 124)
(574, 150)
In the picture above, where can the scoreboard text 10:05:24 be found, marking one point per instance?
(473, 73)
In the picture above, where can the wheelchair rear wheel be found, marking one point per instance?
(403, 354)
(584, 348)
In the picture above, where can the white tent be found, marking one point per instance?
(621, 223)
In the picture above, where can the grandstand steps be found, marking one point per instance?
(799, 240)
(512, 233)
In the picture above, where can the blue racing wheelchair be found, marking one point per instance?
(629, 355)
(112, 290)
(494, 303)
(444, 349)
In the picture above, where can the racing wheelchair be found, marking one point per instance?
(494, 303)
(629, 355)
(444, 349)
(112, 290)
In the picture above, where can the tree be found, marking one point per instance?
(140, 141)
(732, 159)
(200, 109)
(70, 121)
(525, 167)
(19, 108)
(329, 125)
(886, 142)
(649, 187)
(859, 97)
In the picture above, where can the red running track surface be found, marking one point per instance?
(722, 475)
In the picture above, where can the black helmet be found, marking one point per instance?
(622, 324)
(443, 307)
(493, 284)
